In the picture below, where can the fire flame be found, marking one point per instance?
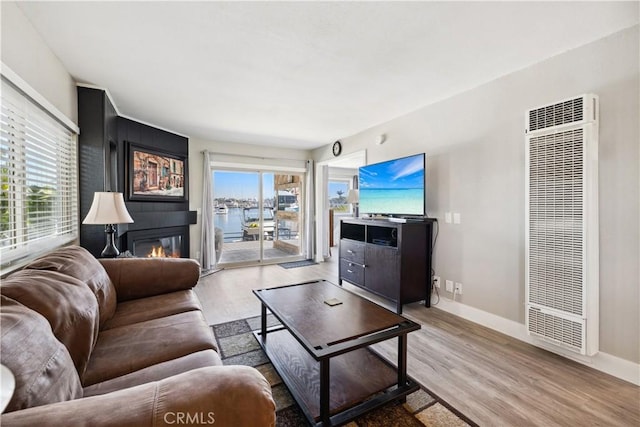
(159, 252)
(156, 252)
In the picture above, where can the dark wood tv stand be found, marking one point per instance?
(389, 259)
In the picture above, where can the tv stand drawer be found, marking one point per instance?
(352, 251)
(352, 272)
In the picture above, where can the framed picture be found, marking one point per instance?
(156, 176)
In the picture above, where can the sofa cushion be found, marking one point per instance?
(122, 350)
(200, 359)
(143, 309)
(67, 303)
(77, 262)
(214, 396)
(41, 365)
(136, 278)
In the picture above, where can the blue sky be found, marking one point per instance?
(407, 172)
(335, 186)
(241, 185)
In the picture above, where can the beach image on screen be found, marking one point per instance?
(393, 187)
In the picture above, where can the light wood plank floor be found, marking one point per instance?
(493, 379)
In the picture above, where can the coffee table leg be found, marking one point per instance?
(264, 323)
(324, 391)
(402, 360)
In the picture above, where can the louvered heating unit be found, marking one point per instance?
(562, 223)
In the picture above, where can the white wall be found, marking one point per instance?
(27, 54)
(196, 167)
(475, 159)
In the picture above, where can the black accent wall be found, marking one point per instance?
(97, 120)
(103, 164)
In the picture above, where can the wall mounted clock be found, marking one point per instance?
(337, 148)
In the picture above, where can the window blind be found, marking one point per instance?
(38, 178)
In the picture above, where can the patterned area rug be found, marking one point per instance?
(238, 346)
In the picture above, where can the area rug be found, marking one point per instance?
(296, 264)
(238, 346)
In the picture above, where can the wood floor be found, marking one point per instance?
(493, 379)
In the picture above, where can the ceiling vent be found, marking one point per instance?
(562, 224)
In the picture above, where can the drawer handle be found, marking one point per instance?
(350, 271)
(350, 251)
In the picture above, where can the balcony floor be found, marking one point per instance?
(246, 252)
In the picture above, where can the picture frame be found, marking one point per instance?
(154, 175)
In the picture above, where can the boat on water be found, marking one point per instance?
(287, 201)
(221, 210)
(251, 223)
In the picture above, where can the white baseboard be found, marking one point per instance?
(604, 362)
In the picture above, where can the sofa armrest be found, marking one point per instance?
(221, 396)
(144, 277)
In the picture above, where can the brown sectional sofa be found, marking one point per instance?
(118, 342)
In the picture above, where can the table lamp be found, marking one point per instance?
(108, 209)
(353, 197)
(7, 386)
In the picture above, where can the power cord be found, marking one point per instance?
(434, 289)
(433, 271)
(435, 238)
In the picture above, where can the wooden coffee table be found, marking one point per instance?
(321, 351)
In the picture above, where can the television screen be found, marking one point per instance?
(394, 187)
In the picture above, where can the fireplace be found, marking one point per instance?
(170, 242)
(158, 247)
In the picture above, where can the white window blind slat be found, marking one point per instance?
(38, 178)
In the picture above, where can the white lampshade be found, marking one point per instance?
(107, 208)
(353, 196)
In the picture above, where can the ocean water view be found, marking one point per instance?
(230, 224)
(407, 201)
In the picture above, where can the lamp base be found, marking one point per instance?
(110, 250)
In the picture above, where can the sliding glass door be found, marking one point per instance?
(257, 216)
(288, 215)
(236, 215)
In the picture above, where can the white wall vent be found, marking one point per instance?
(562, 259)
(582, 109)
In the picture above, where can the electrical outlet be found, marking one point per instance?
(449, 285)
(458, 288)
(436, 281)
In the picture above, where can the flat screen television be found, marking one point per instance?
(393, 188)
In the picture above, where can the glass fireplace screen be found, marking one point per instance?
(162, 247)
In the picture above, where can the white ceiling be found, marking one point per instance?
(303, 74)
